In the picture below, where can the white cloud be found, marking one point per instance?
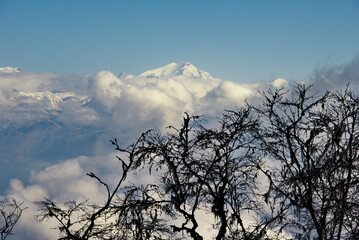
(62, 122)
(61, 182)
(27, 227)
(30, 193)
(280, 82)
(49, 117)
(55, 127)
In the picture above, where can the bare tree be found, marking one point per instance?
(129, 212)
(201, 170)
(212, 170)
(314, 142)
(305, 145)
(10, 213)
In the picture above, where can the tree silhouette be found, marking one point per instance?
(129, 212)
(314, 141)
(289, 165)
(10, 213)
(210, 171)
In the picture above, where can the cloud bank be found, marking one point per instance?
(55, 128)
(49, 117)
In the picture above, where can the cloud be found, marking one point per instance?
(227, 95)
(60, 182)
(55, 128)
(64, 111)
(27, 228)
(280, 82)
(337, 77)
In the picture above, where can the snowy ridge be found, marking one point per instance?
(27, 108)
(53, 99)
(21, 101)
(9, 70)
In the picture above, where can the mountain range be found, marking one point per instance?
(47, 117)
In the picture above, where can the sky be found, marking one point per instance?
(241, 41)
(58, 112)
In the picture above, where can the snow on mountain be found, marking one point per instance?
(9, 70)
(50, 100)
(195, 81)
(24, 109)
(184, 69)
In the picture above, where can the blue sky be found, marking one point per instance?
(243, 41)
(57, 115)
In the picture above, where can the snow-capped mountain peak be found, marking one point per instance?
(188, 70)
(174, 70)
